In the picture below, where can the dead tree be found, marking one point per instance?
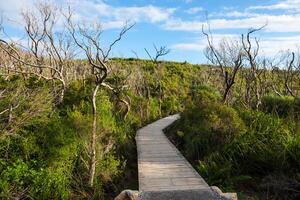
(285, 72)
(159, 52)
(251, 54)
(265, 81)
(118, 86)
(88, 40)
(289, 75)
(6, 64)
(228, 57)
(275, 74)
(46, 52)
(290, 72)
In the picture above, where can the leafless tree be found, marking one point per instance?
(275, 77)
(251, 51)
(47, 50)
(291, 72)
(285, 73)
(159, 52)
(88, 40)
(228, 57)
(119, 86)
(264, 79)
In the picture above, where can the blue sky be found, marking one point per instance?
(177, 23)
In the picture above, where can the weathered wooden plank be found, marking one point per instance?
(161, 166)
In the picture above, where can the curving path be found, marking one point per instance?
(163, 172)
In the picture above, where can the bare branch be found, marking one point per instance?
(159, 52)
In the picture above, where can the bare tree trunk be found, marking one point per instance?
(251, 51)
(227, 87)
(97, 60)
(226, 92)
(247, 93)
(276, 91)
(62, 92)
(92, 165)
(229, 80)
(257, 93)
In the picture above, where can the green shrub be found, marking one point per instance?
(233, 149)
(171, 105)
(281, 106)
(208, 125)
(203, 94)
(286, 106)
(20, 177)
(263, 146)
(297, 107)
(153, 108)
(267, 147)
(293, 151)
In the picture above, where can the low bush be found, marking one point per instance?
(242, 149)
(281, 106)
(19, 180)
(207, 125)
(266, 149)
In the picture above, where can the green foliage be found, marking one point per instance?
(153, 108)
(264, 144)
(293, 150)
(282, 106)
(208, 125)
(204, 94)
(171, 104)
(266, 149)
(45, 183)
(43, 148)
(257, 148)
(29, 103)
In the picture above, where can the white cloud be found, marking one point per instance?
(272, 45)
(215, 24)
(269, 46)
(13, 7)
(232, 18)
(275, 23)
(200, 43)
(227, 19)
(87, 10)
(112, 24)
(282, 5)
(144, 13)
(189, 46)
(194, 10)
(233, 13)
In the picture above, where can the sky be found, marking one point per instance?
(177, 23)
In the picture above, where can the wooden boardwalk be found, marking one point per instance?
(161, 167)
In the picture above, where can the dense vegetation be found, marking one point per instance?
(67, 125)
(253, 152)
(43, 147)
